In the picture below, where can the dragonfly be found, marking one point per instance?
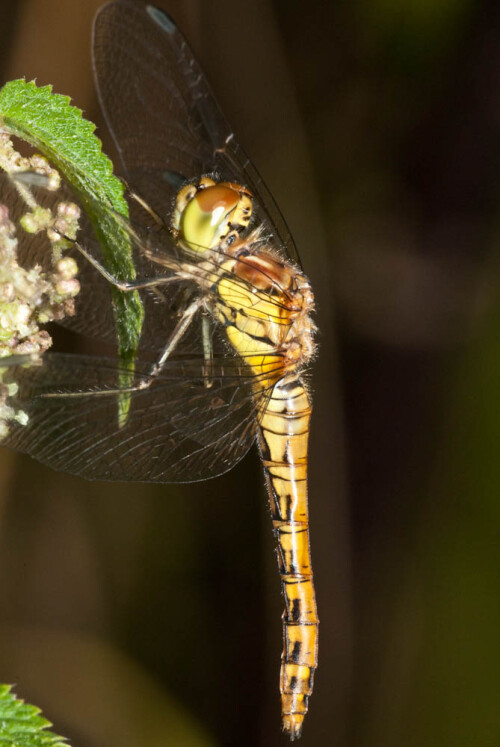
(228, 330)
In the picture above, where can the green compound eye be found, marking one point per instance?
(205, 220)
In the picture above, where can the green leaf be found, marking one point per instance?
(48, 122)
(21, 725)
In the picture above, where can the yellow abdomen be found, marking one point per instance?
(258, 328)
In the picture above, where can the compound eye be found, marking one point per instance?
(205, 219)
(216, 198)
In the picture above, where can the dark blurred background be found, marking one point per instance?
(151, 615)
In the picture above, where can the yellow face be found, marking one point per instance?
(206, 213)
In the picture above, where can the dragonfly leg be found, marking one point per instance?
(179, 331)
(207, 350)
(137, 198)
(156, 368)
(125, 285)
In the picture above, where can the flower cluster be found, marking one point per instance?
(29, 296)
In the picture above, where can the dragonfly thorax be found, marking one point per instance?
(207, 212)
(265, 305)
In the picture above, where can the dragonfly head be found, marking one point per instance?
(208, 212)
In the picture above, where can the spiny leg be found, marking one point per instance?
(174, 339)
(178, 333)
(147, 208)
(207, 350)
(125, 285)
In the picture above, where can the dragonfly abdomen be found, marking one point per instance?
(283, 437)
(264, 305)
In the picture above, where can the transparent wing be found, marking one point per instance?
(94, 309)
(182, 428)
(175, 280)
(164, 118)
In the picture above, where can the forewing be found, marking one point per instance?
(183, 427)
(165, 120)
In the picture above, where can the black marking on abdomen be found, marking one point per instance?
(296, 652)
(290, 500)
(295, 611)
(264, 448)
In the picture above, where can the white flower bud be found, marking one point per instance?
(67, 268)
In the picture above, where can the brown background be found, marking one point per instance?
(150, 615)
